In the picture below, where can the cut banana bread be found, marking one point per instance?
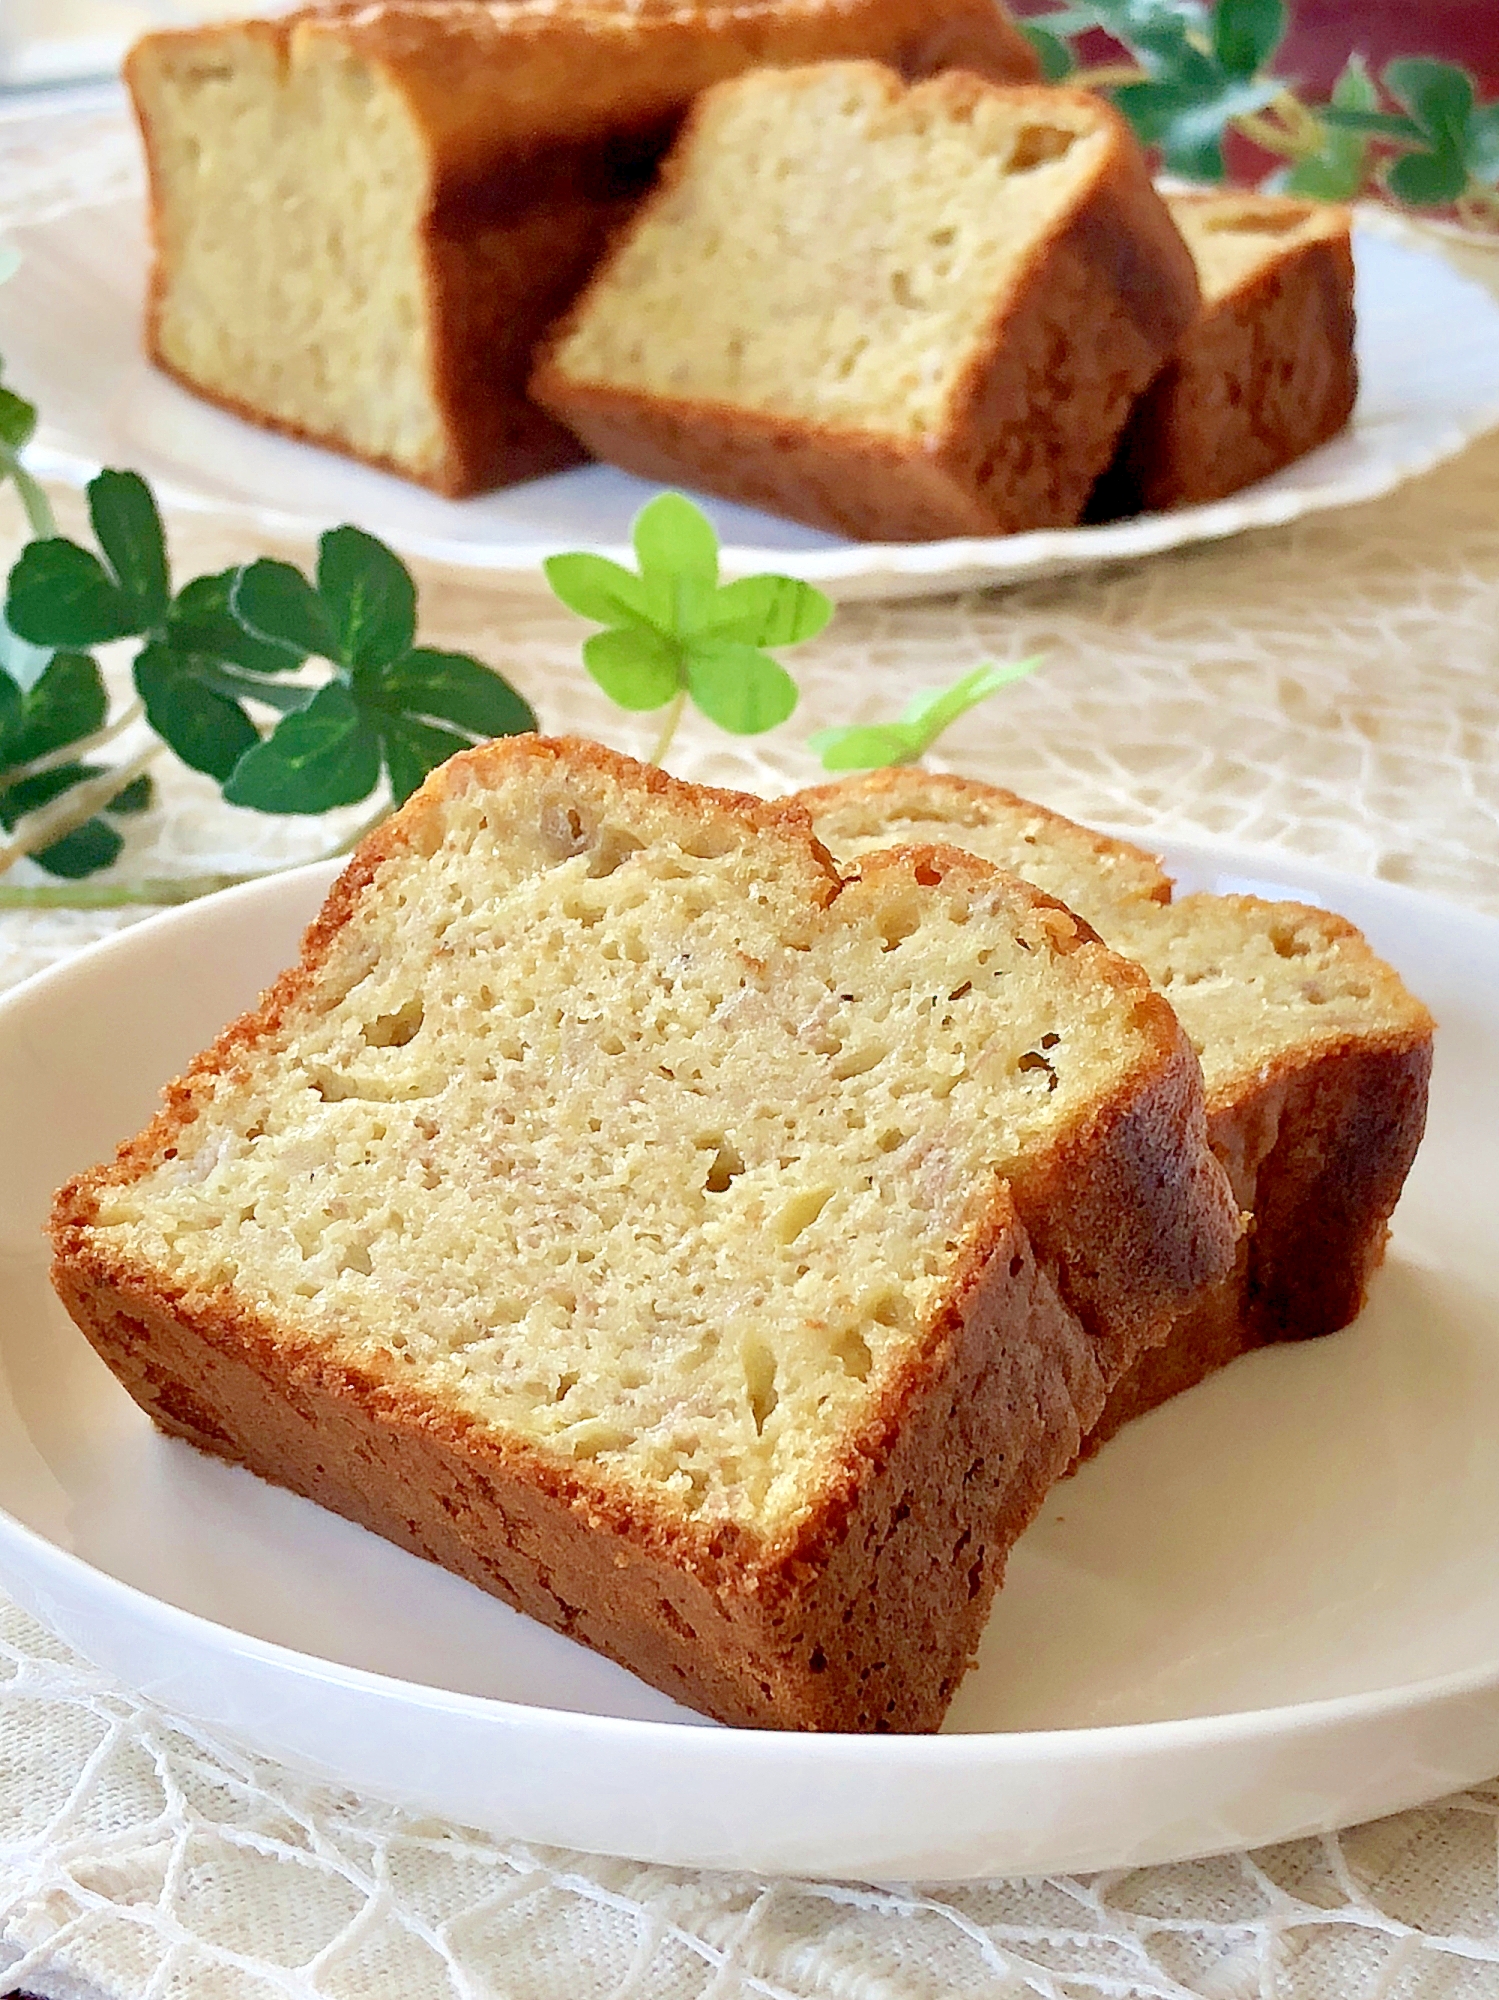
(1266, 372)
(715, 1260)
(365, 216)
(890, 311)
(1315, 1058)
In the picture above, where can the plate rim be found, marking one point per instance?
(991, 1748)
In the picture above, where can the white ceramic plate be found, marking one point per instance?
(70, 334)
(1270, 1607)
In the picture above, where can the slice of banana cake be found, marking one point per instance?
(1315, 1057)
(715, 1259)
(1267, 370)
(896, 312)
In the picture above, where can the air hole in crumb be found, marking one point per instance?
(901, 919)
(801, 1211)
(901, 289)
(394, 1031)
(727, 1166)
(1039, 145)
(760, 1382)
(1017, 1265)
(1288, 944)
(851, 1352)
(966, 987)
(1050, 1041)
(1033, 1059)
(941, 238)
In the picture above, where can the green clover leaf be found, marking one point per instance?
(17, 420)
(873, 746)
(201, 621)
(597, 588)
(673, 631)
(209, 730)
(392, 705)
(62, 595)
(411, 749)
(427, 705)
(1246, 34)
(1055, 57)
(737, 686)
(66, 702)
(324, 755)
(369, 596)
(1340, 166)
(766, 611)
(277, 605)
(452, 687)
(128, 529)
(638, 670)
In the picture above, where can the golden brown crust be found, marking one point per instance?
(1028, 429)
(542, 129)
(865, 1612)
(898, 786)
(1266, 374)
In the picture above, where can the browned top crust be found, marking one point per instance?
(896, 789)
(484, 81)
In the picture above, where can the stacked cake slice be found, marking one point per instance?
(1315, 1057)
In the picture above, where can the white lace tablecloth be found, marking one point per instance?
(1329, 690)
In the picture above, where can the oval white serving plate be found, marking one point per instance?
(1428, 347)
(1268, 1608)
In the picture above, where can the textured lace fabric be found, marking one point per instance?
(1328, 690)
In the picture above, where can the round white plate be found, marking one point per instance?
(1428, 343)
(1270, 1607)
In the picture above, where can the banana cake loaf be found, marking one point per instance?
(1315, 1057)
(365, 215)
(712, 1257)
(889, 310)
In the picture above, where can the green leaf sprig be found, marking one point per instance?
(868, 746)
(674, 633)
(390, 705)
(221, 678)
(1200, 68)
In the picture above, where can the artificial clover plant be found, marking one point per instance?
(674, 633)
(1199, 69)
